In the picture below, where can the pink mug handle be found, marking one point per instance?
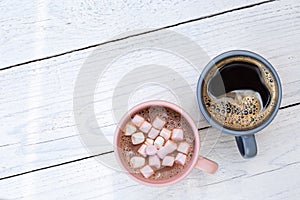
(207, 165)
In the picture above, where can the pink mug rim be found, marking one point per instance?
(185, 115)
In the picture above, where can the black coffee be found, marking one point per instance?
(239, 76)
(239, 93)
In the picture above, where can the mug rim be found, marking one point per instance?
(176, 108)
(225, 55)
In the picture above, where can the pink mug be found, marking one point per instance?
(196, 161)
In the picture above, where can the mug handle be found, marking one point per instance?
(246, 145)
(207, 165)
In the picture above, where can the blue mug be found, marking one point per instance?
(240, 70)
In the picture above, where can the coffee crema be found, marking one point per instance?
(173, 120)
(239, 93)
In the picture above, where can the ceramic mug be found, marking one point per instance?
(245, 139)
(196, 161)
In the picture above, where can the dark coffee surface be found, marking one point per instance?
(239, 76)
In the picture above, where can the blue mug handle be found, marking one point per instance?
(246, 145)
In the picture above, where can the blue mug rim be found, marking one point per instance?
(234, 53)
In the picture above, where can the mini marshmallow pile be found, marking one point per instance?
(156, 145)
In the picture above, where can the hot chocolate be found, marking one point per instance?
(156, 143)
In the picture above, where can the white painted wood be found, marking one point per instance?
(273, 174)
(35, 29)
(37, 123)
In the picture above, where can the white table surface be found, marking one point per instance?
(45, 44)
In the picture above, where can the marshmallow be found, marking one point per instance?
(162, 152)
(159, 142)
(183, 147)
(147, 171)
(137, 138)
(137, 162)
(129, 129)
(177, 134)
(149, 141)
(138, 120)
(153, 133)
(158, 123)
(142, 150)
(145, 127)
(170, 146)
(151, 150)
(180, 158)
(154, 161)
(165, 133)
(168, 161)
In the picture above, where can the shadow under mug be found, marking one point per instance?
(245, 139)
(196, 161)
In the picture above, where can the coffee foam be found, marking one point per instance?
(237, 109)
(173, 120)
(240, 109)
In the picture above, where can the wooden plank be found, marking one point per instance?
(37, 110)
(273, 174)
(36, 29)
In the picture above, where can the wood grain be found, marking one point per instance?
(263, 177)
(35, 29)
(38, 128)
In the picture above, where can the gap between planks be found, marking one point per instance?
(139, 34)
(199, 129)
(109, 152)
